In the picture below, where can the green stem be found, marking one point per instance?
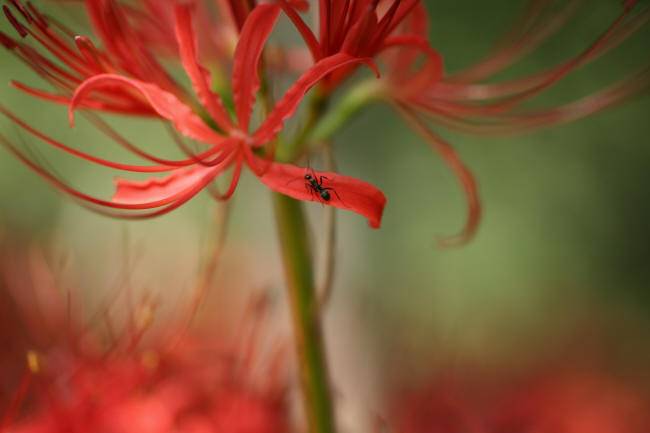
(296, 253)
(351, 103)
(317, 106)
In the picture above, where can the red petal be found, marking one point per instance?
(299, 5)
(197, 73)
(358, 37)
(170, 202)
(127, 167)
(338, 10)
(164, 189)
(288, 105)
(429, 73)
(348, 192)
(404, 9)
(462, 172)
(166, 105)
(305, 31)
(245, 81)
(133, 109)
(233, 181)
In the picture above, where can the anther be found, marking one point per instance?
(21, 8)
(33, 361)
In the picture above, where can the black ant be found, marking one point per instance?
(316, 186)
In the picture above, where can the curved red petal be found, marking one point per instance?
(165, 189)
(245, 81)
(288, 105)
(197, 73)
(359, 36)
(133, 109)
(234, 180)
(170, 202)
(346, 192)
(164, 103)
(460, 170)
(119, 166)
(299, 5)
(306, 33)
(428, 74)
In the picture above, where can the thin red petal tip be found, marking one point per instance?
(7, 42)
(36, 13)
(71, 115)
(299, 5)
(455, 241)
(23, 11)
(468, 232)
(14, 22)
(629, 4)
(370, 62)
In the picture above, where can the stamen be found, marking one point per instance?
(33, 361)
(21, 8)
(14, 22)
(460, 170)
(39, 17)
(629, 4)
(7, 42)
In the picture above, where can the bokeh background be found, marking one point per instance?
(560, 264)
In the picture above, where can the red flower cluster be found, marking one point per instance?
(83, 375)
(122, 393)
(465, 102)
(125, 76)
(113, 81)
(558, 402)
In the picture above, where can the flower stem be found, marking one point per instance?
(296, 253)
(317, 106)
(350, 104)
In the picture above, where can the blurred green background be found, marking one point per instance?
(561, 258)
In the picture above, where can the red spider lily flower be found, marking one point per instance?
(361, 28)
(462, 101)
(77, 58)
(558, 402)
(192, 388)
(174, 380)
(233, 145)
(575, 402)
(151, 20)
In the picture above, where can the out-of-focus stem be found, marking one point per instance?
(351, 103)
(317, 106)
(297, 258)
(325, 289)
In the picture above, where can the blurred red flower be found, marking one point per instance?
(569, 401)
(467, 102)
(89, 375)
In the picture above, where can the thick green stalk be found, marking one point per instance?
(296, 254)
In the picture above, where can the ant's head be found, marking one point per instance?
(308, 176)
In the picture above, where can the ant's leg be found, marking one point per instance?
(310, 189)
(336, 193)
